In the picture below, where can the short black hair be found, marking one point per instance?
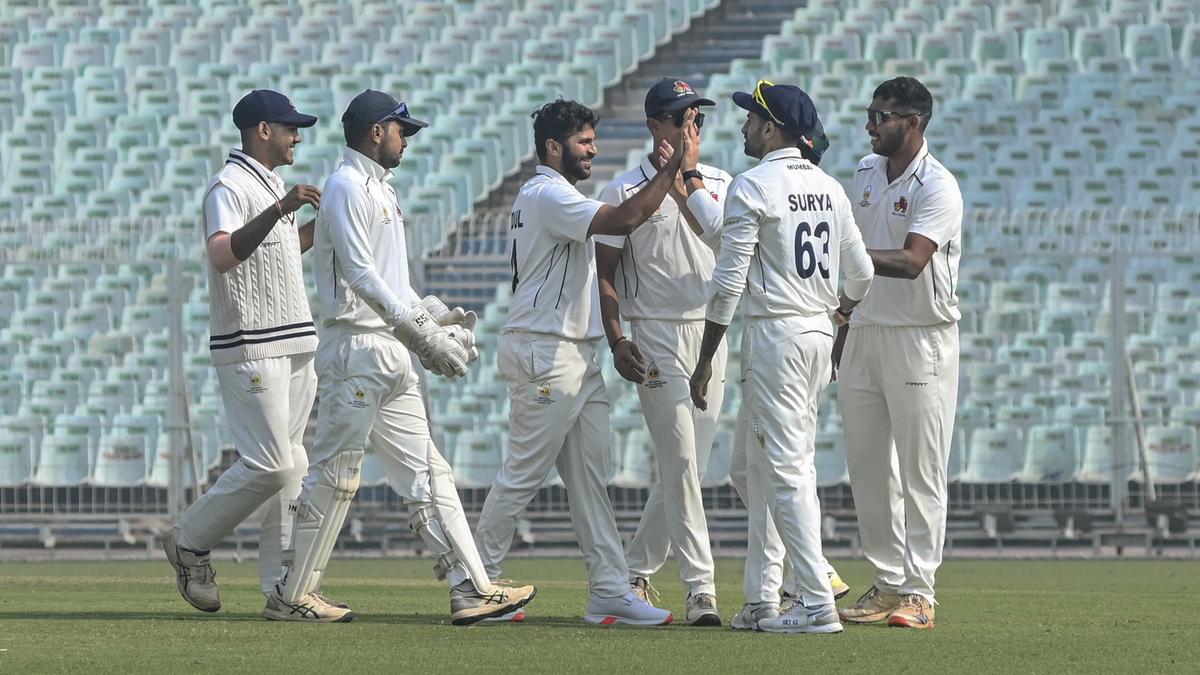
(910, 93)
(559, 120)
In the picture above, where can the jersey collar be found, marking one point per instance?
(913, 166)
(366, 165)
(781, 153)
(551, 174)
(257, 167)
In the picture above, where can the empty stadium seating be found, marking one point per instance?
(1073, 131)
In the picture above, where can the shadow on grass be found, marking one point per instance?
(359, 619)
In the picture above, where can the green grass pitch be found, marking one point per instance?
(995, 615)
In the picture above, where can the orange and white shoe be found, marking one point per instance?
(915, 611)
(512, 617)
(874, 605)
(629, 610)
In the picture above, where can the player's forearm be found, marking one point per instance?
(305, 234)
(713, 334)
(246, 239)
(896, 263)
(637, 209)
(688, 217)
(610, 311)
(368, 285)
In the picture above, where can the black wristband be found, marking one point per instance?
(692, 173)
(845, 314)
(616, 342)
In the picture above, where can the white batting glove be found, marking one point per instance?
(439, 352)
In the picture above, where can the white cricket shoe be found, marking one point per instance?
(310, 608)
(628, 609)
(194, 575)
(801, 619)
(751, 614)
(468, 605)
(702, 610)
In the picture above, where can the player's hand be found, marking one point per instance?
(839, 343)
(298, 196)
(439, 352)
(699, 384)
(690, 141)
(627, 359)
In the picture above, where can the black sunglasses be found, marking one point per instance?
(677, 116)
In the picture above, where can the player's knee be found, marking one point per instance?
(282, 475)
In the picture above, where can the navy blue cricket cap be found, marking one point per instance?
(669, 95)
(264, 105)
(784, 104)
(376, 107)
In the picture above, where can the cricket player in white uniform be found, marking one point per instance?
(262, 345)
(371, 324)
(657, 278)
(559, 411)
(787, 232)
(768, 583)
(898, 382)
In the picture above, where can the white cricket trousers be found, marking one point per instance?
(267, 404)
(558, 416)
(785, 367)
(763, 577)
(673, 519)
(370, 397)
(898, 389)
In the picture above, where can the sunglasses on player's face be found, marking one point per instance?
(677, 117)
(881, 117)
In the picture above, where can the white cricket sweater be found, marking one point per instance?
(259, 309)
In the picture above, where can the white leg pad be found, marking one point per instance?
(319, 519)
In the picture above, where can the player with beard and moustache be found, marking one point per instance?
(769, 584)
(787, 231)
(559, 412)
(898, 385)
(372, 324)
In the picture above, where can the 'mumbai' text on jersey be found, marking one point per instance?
(810, 202)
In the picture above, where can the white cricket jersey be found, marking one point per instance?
(359, 249)
(553, 262)
(665, 267)
(925, 199)
(788, 230)
(259, 309)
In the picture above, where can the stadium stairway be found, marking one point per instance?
(473, 262)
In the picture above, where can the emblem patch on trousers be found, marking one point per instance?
(255, 383)
(654, 377)
(543, 394)
(360, 398)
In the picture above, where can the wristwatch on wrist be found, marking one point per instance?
(692, 173)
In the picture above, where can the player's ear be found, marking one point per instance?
(553, 148)
(264, 131)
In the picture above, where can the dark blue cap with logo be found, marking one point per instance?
(265, 105)
(376, 107)
(669, 95)
(786, 105)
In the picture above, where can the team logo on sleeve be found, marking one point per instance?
(900, 207)
(866, 200)
(715, 197)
